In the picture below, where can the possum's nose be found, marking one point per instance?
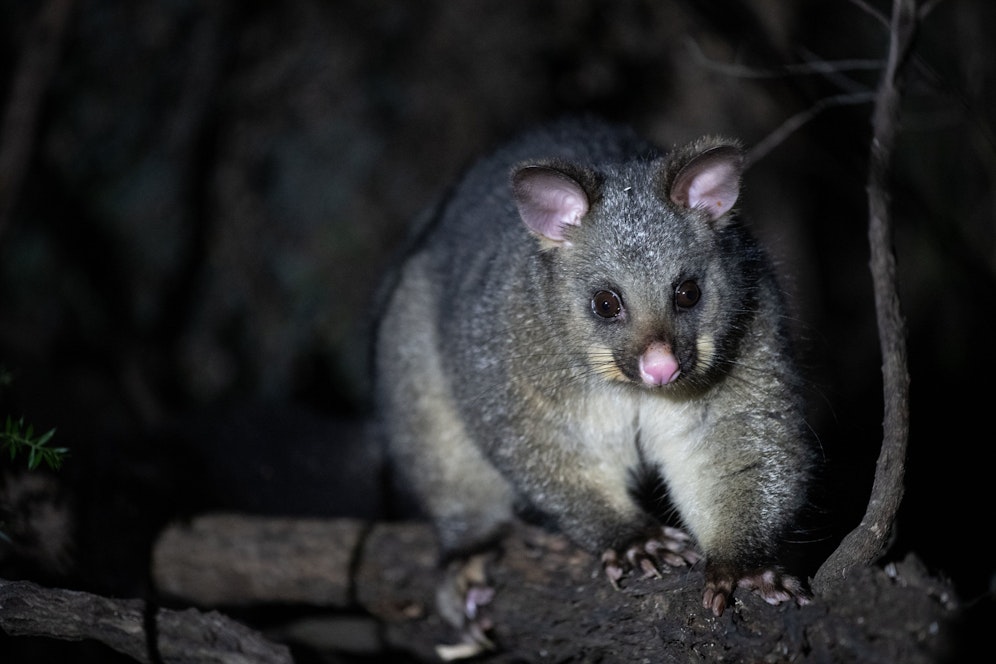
(658, 365)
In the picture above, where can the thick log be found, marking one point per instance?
(552, 599)
(234, 561)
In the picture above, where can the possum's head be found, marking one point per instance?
(652, 258)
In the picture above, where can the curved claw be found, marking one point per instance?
(772, 585)
(666, 546)
(716, 595)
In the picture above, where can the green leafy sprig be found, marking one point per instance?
(16, 439)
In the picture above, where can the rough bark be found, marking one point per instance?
(189, 636)
(552, 600)
(228, 560)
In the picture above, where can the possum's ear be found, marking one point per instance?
(549, 202)
(710, 181)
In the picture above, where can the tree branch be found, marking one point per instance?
(870, 539)
(760, 149)
(188, 636)
(552, 601)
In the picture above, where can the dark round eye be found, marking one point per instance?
(606, 304)
(687, 294)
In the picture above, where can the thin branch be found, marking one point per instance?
(838, 77)
(822, 67)
(870, 539)
(789, 126)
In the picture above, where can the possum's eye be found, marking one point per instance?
(687, 294)
(606, 304)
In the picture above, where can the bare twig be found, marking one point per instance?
(837, 76)
(34, 70)
(870, 539)
(829, 69)
(822, 67)
(788, 127)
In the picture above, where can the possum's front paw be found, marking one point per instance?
(773, 585)
(664, 546)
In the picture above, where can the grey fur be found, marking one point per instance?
(488, 379)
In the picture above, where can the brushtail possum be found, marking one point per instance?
(586, 327)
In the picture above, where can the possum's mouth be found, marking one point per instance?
(656, 367)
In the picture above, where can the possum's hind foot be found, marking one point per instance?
(460, 599)
(662, 546)
(771, 584)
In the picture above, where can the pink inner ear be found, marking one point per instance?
(548, 201)
(711, 182)
(715, 190)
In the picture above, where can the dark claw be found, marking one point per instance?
(718, 589)
(715, 601)
(773, 586)
(613, 570)
(676, 553)
(649, 568)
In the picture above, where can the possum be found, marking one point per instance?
(586, 329)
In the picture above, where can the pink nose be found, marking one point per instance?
(658, 365)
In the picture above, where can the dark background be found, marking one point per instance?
(191, 240)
